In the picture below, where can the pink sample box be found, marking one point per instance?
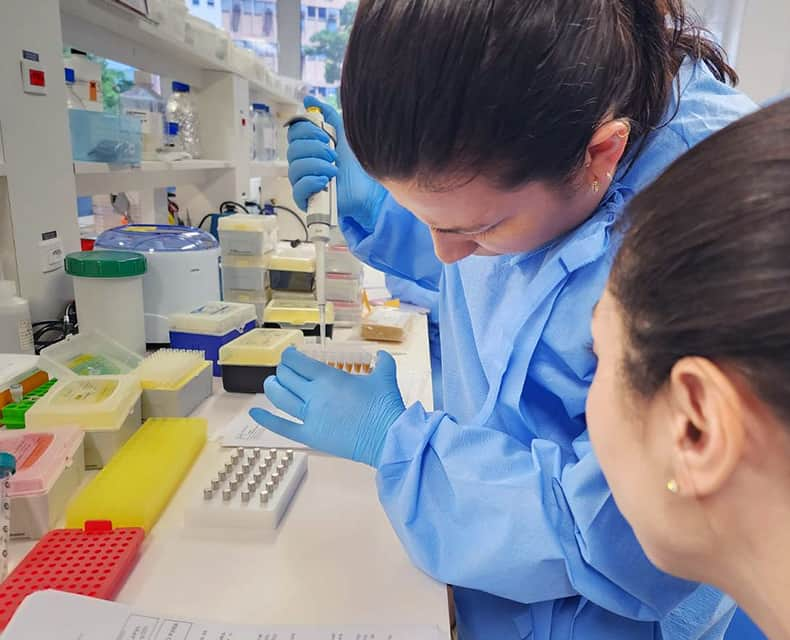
(49, 469)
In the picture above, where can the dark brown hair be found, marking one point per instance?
(445, 90)
(704, 268)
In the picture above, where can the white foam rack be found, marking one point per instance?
(251, 490)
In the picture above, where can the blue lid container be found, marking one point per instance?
(156, 237)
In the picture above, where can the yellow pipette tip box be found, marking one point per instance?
(106, 408)
(175, 382)
(136, 485)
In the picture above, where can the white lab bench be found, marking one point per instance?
(334, 558)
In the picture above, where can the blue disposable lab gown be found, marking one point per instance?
(500, 494)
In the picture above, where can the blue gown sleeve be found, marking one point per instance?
(398, 244)
(478, 508)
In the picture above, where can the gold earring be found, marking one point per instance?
(596, 186)
(624, 133)
(672, 486)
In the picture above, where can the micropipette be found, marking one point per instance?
(321, 217)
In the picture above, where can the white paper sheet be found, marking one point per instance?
(243, 431)
(54, 615)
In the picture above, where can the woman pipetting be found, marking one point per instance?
(689, 411)
(489, 148)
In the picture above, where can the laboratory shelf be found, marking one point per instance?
(100, 177)
(118, 33)
(275, 169)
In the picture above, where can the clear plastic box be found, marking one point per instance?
(297, 314)
(105, 137)
(106, 408)
(247, 235)
(50, 469)
(385, 324)
(339, 259)
(88, 354)
(293, 268)
(347, 314)
(343, 287)
(250, 359)
(245, 272)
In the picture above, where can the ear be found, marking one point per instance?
(605, 151)
(708, 427)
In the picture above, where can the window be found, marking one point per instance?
(311, 12)
(227, 5)
(268, 23)
(210, 3)
(247, 7)
(322, 13)
(195, 3)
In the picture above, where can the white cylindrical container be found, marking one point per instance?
(16, 331)
(108, 291)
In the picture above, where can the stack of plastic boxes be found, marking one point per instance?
(247, 242)
(344, 285)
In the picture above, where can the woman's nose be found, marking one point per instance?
(451, 248)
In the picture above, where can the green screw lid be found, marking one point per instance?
(7, 463)
(105, 264)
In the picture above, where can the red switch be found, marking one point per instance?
(37, 78)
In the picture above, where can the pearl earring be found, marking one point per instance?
(672, 486)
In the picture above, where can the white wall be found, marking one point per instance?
(764, 52)
(44, 200)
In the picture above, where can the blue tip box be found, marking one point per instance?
(210, 327)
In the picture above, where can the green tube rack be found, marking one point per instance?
(14, 413)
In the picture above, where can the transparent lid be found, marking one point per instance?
(299, 258)
(296, 312)
(388, 317)
(40, 458)
(232, 261)
(90, 353)
(247, 222)
(16, 367)
(259, 347)
(214, 318)
(156, 237)
(249, 296)
(93, 403)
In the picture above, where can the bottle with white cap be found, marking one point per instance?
(16, 330)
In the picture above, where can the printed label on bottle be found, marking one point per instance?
(26, 336)
(143, 116)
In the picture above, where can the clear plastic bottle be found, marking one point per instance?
(73, 101)
(181, 109)
(264, 133)
(16, 330)
(144, 103)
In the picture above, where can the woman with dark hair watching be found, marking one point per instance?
(689, 411)
(502, 138)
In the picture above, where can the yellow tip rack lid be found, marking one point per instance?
(93, 403)
(214, 318)
(259, 347)
(296, 312)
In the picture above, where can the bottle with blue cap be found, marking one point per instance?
(182, 110)
(7, 469)
(73, 100)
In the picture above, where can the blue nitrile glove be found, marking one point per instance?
(312, 163)
(343, 414)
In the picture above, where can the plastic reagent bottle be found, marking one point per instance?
(182, 110)
(146, 105)
(73, 101)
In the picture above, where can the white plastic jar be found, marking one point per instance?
(16, 331)
(108, 291)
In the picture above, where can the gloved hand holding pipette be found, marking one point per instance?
(343, 414)
(313, 163)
